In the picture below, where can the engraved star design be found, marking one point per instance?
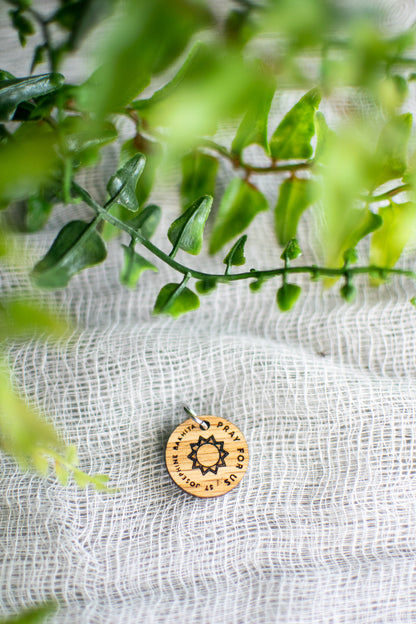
(207, 454)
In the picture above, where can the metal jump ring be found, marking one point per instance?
(202, 423)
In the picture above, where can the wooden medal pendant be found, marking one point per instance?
(206, 456)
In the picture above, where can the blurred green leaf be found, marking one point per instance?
(61, 473)
(28, 160)
(110, 91)
(350, 256)
(145, 39)
(253, 127)
(23, 318)
(38, 55)
(295, 195)
(342, 182)
(175, 23)
(22, 430)
(199, 172)
(291, 251)
(82, 138)
(324, 135)
(397, 229)
(147, 220)
(348, 292)
(133, 267)
(257, 284)
(79, 17)
(71, 455)
(187, 231)
(77, 246)
(22, 24)
(393, 91)
(153, 152)
(292, 137)
(353, 226)
(17, 90)
(239, 205)
(122, 186)
(219, 91)
(21, 4)
(204, 287)
(239, 26)
(197, 60)
(38, 210)
(174, 300)
(235, 256)
(390, 159)
(34, 615)
(287, 295)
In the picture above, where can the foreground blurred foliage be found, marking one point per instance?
(178, 70)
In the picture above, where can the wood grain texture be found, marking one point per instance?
(207, 462)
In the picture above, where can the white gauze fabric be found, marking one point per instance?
(322, 528)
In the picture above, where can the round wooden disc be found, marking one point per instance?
(207, 462)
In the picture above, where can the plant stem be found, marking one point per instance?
(387, 194)
(238, 163)
(313, 270)
(43, 23)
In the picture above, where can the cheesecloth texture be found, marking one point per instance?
(321, 529)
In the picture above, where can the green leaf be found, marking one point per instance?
(38, 55)
(235, 256)
(292, 137)
(239, 205)
(187, 231)
(350, 256)
(291, 251)
(133, 267)
(38, 210)
(206, 286)
(28, 160)
(295, 196)
(17, 90)
(154, 154)
(397, 229)
(253, 127)
(175, 299)
(287, 295)
(40, 463)
(194, 63)
(35, 615)
(77, 246)
(23, 26)
(354, 225)
(348, 292)
(81, 478)
(79, 17)
(390, 159)
(71, 455)
(83, 138)
(22, 431)
(146, 221)
(61, 473)
(110, 89)
(257, 284)
(122, 186)
(199, 172)
(22, 318)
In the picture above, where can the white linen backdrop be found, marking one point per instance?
(321, 529)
